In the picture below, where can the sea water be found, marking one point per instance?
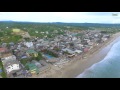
(109, 67)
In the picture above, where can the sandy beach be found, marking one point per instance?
(77, 66)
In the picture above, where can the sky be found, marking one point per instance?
(70, 17)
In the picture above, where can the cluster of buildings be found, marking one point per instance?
(29, 58)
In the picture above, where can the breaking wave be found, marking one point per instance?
(109, 67)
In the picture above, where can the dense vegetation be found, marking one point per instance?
(48, 30)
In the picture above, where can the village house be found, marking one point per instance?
(10, 64)
(4, 45)
(31, 53)
(29, 44)
(32, 68)
(2, 50)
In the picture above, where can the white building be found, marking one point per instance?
(10, 63)
(104, 39)
(29, 44)
(12, 67)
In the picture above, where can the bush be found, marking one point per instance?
(40, 57)
(24, 61)
(3, 74)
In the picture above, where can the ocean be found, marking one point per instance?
(109, 67)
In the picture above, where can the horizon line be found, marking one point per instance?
(56, 22)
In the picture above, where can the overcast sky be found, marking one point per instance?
(78, 17)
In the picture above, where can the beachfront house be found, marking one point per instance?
(104, 39)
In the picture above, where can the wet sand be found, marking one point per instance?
(77, 66)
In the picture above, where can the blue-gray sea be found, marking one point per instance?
(109, 67)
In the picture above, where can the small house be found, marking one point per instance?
(32, 68)
(29, 44)
(2, 50)
(32, 53)
(7, 57)
(78, 51)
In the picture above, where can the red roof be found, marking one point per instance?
(3, 49)
(86, 49)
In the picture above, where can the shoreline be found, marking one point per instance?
(75, 67)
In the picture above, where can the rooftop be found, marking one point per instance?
(3, 49)
(31, 51)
